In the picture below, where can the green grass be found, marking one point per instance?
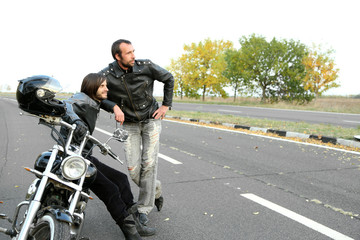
(300, 127)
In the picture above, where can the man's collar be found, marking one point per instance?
(119, 71)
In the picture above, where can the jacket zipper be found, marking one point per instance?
(131, 101)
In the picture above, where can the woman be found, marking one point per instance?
(110, 185)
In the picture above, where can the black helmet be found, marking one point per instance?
(36, 94)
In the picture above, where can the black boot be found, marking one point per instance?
(129, 229)
(159, 202)
(143, 219)
(142, 230)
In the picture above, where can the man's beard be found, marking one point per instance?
(100, 97)
(127, 65)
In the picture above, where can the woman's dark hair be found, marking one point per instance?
(115, 48)
(91, 84)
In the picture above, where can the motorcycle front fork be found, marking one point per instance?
(31, 213)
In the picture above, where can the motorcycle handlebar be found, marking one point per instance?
(104, 148)
(114, 156)
(65, 124)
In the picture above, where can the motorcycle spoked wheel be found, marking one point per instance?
(48, 228)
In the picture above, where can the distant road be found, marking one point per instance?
(339, 119)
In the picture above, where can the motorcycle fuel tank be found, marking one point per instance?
(42, 161)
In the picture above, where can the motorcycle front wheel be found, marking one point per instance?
(48, 228)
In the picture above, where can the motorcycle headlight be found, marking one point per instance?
(73, 167)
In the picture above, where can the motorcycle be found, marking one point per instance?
(55, 203)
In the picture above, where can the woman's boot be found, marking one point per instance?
(129, 229)
(142, 229)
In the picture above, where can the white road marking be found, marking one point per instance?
(103, 131)
(296, 217)
(351, 121)
(223, 110)
(169, 159)
(166, 158)
(11, 99)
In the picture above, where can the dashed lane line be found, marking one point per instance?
(166, 158)
(169, 159)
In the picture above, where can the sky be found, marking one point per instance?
(68, 39)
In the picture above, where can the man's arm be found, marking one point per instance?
(119, 115)
(164, 76)
(110, 106)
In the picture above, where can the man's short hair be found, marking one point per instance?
(115, 48)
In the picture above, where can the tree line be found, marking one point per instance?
(274, 70)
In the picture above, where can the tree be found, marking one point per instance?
(179, 86)
(184, 85)
(5, 88)
(258, 64)
(235, 71)
(321, 73)
(291, 73)
(274, 69)
(203, 64)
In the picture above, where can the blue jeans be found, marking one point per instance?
(141, 153)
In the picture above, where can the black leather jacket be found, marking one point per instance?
(133, 91)
(81, 107)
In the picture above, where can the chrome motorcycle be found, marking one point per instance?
(54, 206)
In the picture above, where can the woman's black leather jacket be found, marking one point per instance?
(133, 91)
(81, 107)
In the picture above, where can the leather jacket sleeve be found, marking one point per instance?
(70, 115)
(81, 107)
(167, 78)
(107, 105)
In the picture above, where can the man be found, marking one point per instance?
(130, 84)
(110, 185)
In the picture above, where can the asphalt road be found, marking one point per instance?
(217, 184)
(338, 119)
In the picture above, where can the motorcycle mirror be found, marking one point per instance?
(120, 134)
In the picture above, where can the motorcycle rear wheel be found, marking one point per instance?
(48, 228)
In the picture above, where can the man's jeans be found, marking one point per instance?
(141, 152)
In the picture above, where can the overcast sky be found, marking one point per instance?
(68, 39)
